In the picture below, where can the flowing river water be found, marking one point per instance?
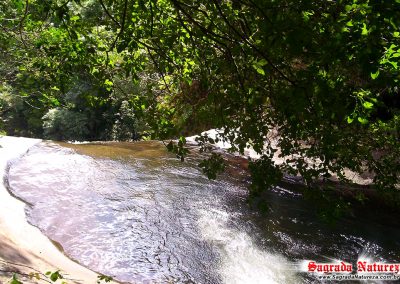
(133, 211)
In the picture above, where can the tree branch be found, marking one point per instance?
(108, 14)
(122, 25)
(255, 48)
(21, 23)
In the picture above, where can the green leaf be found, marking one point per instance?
(394, 64)
(15, 280)
(362, 120)
(349, 119)
(259, 69)
(104, 278)
(74, 18)
(108, 82)
(364, 30)
(94, 70)
(55, 276)
(262, 62)
(375, 75)
(368, 105)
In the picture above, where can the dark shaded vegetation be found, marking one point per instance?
(323, 75)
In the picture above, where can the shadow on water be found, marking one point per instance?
(134, 211)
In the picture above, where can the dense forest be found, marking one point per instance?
(321, 76)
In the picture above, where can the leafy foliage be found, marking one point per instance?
(104, 278)
(54, 276)
(14, 280)
(212, 166)
(178, 148)
(323, 75)
(62, 124)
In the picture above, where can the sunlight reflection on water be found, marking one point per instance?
(133, 211)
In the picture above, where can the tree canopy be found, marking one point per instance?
(322, 75)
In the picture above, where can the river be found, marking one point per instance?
(135, 212)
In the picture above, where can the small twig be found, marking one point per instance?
(250, 44)
(159, 70)
(9, 263)
(122, 25)
(21, 23)
(152, 19)
(108, 14)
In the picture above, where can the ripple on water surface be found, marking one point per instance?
(134, 211)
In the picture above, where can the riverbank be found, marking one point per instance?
(355, 178)
(359, 191)
(23, 247)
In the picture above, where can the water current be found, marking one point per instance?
(135, 212)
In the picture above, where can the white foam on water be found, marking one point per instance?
(241, 260)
